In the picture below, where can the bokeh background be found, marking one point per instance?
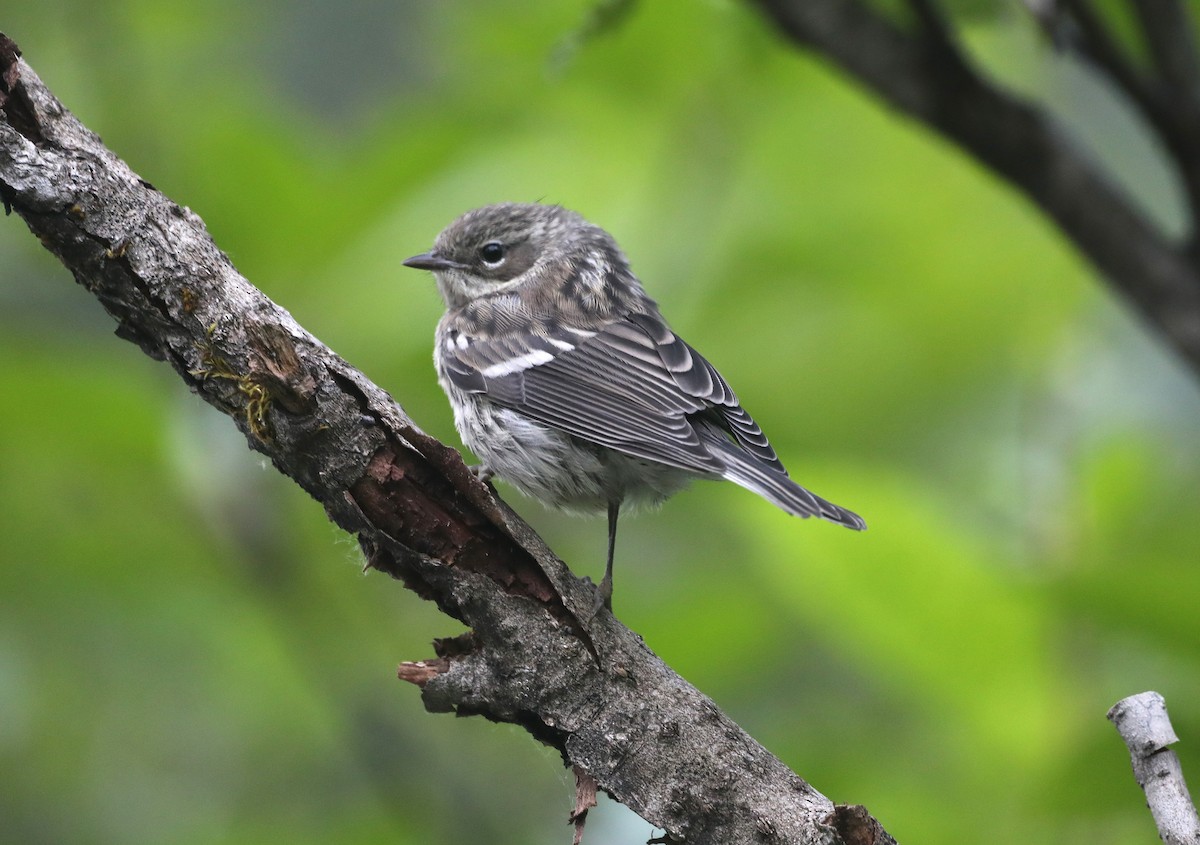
(190, 653)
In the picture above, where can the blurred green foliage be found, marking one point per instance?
(189, 652)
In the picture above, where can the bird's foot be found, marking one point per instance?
(483, 472)
(603, 599)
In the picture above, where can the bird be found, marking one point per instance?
(567, 382)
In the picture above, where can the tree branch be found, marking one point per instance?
(1097, 46)
(1020, 142)
(1169, 104)
(1169, 35)
(1143, 723)
(534, 655)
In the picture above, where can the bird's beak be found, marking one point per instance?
(431, 261)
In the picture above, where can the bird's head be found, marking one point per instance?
(501, 247)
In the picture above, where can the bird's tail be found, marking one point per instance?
(775, 486)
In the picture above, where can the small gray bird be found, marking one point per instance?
(569, 384)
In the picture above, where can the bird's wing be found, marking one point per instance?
(633, 386)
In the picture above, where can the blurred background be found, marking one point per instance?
(189, 651)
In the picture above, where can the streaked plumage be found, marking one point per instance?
(568, 383)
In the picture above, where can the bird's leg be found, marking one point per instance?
(606, 585)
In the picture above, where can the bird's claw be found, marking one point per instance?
(483, 472)
(602, 599)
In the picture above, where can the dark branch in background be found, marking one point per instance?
(1172, 45)
(1095, 44)
(1143, 723)
(1169, 103)
(588, 687)
(921, 70)
(1169, 35)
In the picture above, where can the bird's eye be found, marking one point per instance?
(492, 252)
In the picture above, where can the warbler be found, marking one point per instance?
(568, 383)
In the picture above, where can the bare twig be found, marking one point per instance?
(1146, 729)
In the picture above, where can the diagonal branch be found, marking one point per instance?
(1020, 142)
(586, 686)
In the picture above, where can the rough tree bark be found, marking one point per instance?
(923, 71)
(534, 656)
